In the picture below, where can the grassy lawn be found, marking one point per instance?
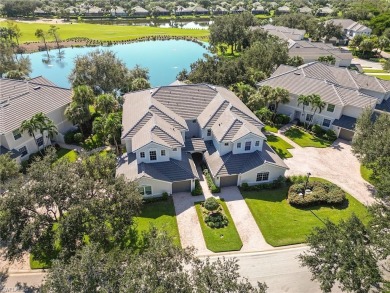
(370, 70)
(71, 155)
(305, 139)
(222, 239)
(366, 174)
(270, 128)
(386, 77)
(282, 224)
(105, 32)
(161, 215)
(279, 146)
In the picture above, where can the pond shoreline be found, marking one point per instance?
(32, 47)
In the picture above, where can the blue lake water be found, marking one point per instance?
(164, 59)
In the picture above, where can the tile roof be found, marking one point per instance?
(170, 171)
(283, 32)
(313, 50)
(349, 24)
(346, 122)
(194, 145)
(230, 164)
(20, 100)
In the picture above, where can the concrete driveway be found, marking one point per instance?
(336, 164)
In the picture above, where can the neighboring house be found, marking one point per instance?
(40, 12)
(305, 10)
(93, 11)
(19, 101)
(351, 28)
(283, 10)
(237, 10)
(171, 130)
(197, 10)
(139, 11)
(161, 11)
(324, 11)
(119, 12)
(311, 51)
(284, 33)
(219, 10)
(346, 93)
(258, 9)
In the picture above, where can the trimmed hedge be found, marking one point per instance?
(210, 182)
(198, 189)
(273, 185)
(320, 193)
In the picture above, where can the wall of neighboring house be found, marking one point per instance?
(248, 138)
(352, 111)
(59, 119)
(193, 128)
(343, 62)
(204, 135)
(379, 96)
(153, 147)
(250, 176)
(158, 186)
(222, 148)
(24, 141)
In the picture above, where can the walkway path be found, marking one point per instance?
(188, 222)
(336, 163)
(247, 228)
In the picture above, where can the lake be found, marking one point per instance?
(164, 59)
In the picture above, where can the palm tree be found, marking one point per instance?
(279, 95)
(30, 127)
(317, 104)
(40, 34)
(106, 103)
(51, 130)
(83, 95)
(78, 114)
(114, 128)
(53, 31)
(304, 101)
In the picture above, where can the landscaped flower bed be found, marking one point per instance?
(213, 214)
(314, 193)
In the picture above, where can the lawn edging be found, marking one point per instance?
(230, 241)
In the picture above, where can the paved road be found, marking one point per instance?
(279, 269)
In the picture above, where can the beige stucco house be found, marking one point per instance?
(170, 131)
(346, 93)
(20, 100)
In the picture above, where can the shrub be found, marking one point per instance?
(69, 137)
(273, 185)
(211, 204)
(210, 182)
(318, 130)
(164, 196)
(198, 189)
(78, 137)
(330, 135)
(297, 179)
(319, 193)
(216, 220)
(245, 186)
(282, 119)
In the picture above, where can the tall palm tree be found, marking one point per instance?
(106, 103)
(30, 127)
(83, 95)
(279, 96)
(78, 114)
(40, 34)
(317, 104)
(51, 130)
(114, 128)
(304, 101)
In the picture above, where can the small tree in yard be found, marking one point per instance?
(211, 204)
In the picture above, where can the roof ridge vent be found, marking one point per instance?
(297, 73)
(37, 87)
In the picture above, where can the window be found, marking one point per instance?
(330, 108)
(208, 132)
(153, 155)
(306, 103)
(248, 145)
(262, 176)
(309, 117)
(16, 134)
(174, 149)
(40, 141)
(326, 122)
(226, 143)
(142, 154)
(23, 151)
(145, 190)
(239, 145)
(163, 153)
(257, 143)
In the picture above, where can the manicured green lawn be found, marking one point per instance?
(222, 239)
(282, 224)
(366, 174)
(161, 215)
(105, 32)
(386, 77)
(280, 146)
(369, 70)
(270, 128)
(71, 155)
(305, 139)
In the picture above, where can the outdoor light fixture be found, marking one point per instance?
(307, 181)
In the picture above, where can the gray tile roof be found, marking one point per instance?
(338, 86)
(170, 171)
(194, 144)
(230, 164)
(346, 122)
(349, 24)
(283, 32)
(20, 100)
(313, 50)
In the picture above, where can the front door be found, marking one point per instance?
(297, 115)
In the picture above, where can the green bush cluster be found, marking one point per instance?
(211, 204)
(273, 185)
(198, 189)
(73, 136)
(320, 193)
(164, 197)
(213, 188)
(216, 220)
(281, 119)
